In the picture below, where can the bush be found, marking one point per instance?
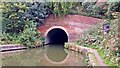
(30, 35)
(20, 21)
(38, 11)
(12, 17)
(15, 15)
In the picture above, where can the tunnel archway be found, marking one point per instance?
(56, 35)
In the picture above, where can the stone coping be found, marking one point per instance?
(14, 47)
(11, 47)
(93, 56)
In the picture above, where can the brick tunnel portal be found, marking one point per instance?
(56, 36)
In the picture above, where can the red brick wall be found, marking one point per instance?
(74, 24)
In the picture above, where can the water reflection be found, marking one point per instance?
(50, 55)
(55, 53)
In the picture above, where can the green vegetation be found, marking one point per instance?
(12, 17)
(94, 9)
(20, 21)
(63, 8)
(30, 36)
(106, 44)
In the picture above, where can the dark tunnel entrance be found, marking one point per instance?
(56, 36)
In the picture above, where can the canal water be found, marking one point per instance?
(50, 55)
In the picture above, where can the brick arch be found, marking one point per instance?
(56, 27)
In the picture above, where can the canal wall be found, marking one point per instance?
(73, 25)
